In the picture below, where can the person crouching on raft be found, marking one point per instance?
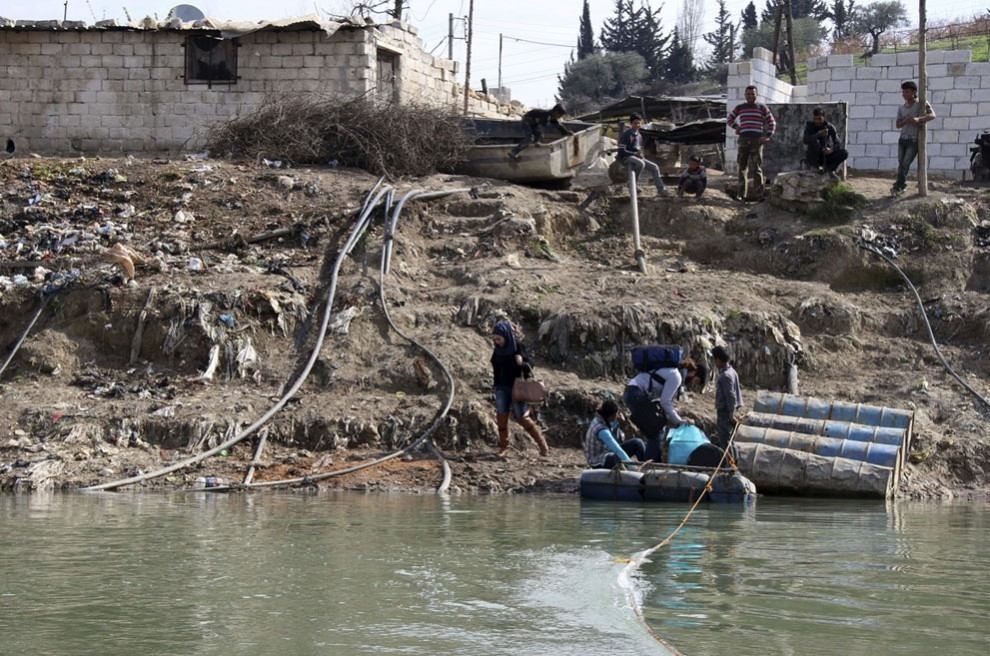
(601, 442)
(509, 362)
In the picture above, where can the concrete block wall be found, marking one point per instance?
(760, 72)
(113, 91)
(958, 89)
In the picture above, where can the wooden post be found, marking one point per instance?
(922, 98)
(776, 33)
(790, 41)
(500, 63)
(467, 58)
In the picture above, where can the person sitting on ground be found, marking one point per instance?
(694, 180)
(728, 396)
(824, 152)
(650, 398)
(631, 154)
(509, 362)
(533, 123)
(601, 442)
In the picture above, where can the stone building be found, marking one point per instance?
(958, 89)
(158, 87)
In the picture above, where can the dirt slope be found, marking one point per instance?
(235, 257)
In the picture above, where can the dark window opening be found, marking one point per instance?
(388, 72)
(211, 60)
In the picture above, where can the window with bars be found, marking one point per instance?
(211, 60)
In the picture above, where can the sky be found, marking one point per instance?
(529, 69)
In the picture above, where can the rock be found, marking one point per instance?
(286, 182)
(817, 315)
(799, 190)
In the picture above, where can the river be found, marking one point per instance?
(348, 573)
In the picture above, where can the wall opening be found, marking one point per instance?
(210, 60)
(388, 76)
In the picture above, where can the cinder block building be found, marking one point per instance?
(158, 87)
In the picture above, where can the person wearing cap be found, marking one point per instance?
(601, 441)
(693, 180)
(533, 123)
(909, 116)
(630, 153)
(728, 396)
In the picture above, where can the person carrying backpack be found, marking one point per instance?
(650, 394)
(509, 362)
(601, 441)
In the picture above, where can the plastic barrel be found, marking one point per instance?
(885, 455)
(611, 485)
(673, 485)
(787, 471)
(732, 487)
(829, 428)
(813, 408)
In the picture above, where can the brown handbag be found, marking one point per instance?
(528, 391)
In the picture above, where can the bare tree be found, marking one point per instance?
(371, 8)
(690, 21)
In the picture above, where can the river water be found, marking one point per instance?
(399, 574)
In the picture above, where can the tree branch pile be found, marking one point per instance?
(384, 139)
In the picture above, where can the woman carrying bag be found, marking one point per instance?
(509, 363)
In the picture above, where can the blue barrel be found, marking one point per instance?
(673, 484)
(812, 408)
(864, 433)
(611, 485)
(732, 487)
(875, 453)
(682, 441)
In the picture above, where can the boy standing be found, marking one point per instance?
(909, 116)
(728, 396)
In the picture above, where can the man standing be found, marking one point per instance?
(728, 396)
(631, 154)
(533, 123)
(824, 152)
(909, 117)
(754, 126)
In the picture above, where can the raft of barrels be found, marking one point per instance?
(806, 446)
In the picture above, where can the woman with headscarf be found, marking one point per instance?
(508, 363)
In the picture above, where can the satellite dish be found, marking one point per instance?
(186, 13)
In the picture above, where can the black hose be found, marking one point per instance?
(924, 316)
(364, 220)
(37, 315)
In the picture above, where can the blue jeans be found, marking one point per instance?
(504, 403)
(907, 150)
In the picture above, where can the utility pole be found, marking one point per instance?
(467, 62)
(790, 40)
(500, 62)
(776, 32)
(450, 36)
(65, 11)
(922, 98)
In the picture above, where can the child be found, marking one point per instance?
(694, 180)
(728, 396)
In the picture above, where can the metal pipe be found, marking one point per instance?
(634, 205)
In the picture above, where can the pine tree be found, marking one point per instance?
(680, 63)
(749, 19)
(722, 40)
(637, 30)
(841, 13)
(586, 36)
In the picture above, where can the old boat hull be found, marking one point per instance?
(674, 484)
(558, 158)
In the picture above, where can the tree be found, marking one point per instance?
(841, 13)
(722, 40)
(690, 20)
(637, 30)
(680, 62)
(586, 36)
(749, 19)
(877, 18)
(808, 32)
(809, 9)
(600, 79)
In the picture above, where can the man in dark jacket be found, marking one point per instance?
(825, 152)
(533, 123)
(631, 154)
